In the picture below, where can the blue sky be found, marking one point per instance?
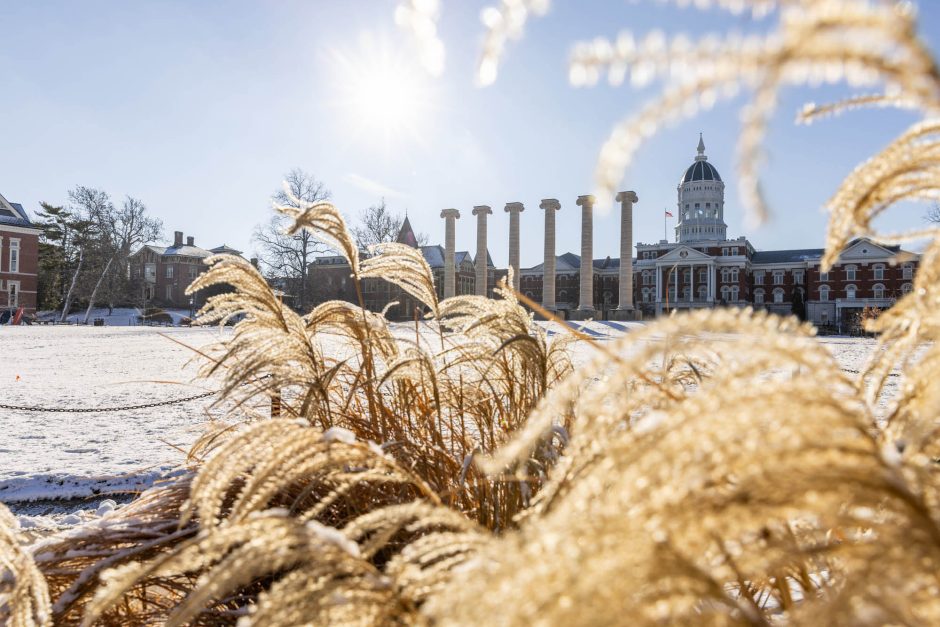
(199, 108)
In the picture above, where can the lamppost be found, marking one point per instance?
(191, 307)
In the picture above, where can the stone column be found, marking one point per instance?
(514, 209)
(450, 271)
(550, 205)
(481, 212)
(625, 302)
(586, 301)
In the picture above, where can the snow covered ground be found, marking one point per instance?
(72, 455)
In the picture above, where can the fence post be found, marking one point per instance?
(276, 404)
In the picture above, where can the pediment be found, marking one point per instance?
(865, 249)
(682, 254)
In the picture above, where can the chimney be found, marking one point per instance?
(190, 241)
(177, 238)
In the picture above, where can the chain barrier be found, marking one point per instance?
(90, 410)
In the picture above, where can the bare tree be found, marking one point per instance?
(84, 203)
(933, 214)
(378, 225)
(288, 257)
(120, 231)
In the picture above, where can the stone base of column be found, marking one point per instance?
(583, 314)
(551, 310)
(624, 314)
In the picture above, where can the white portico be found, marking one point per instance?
(684, 278)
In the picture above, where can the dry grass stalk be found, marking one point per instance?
(712, 468)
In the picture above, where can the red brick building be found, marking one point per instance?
(161, 274)
(19, 258)
(330, 279)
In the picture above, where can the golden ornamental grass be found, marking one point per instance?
(712, 468)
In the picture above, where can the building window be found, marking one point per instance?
(850, 273)
(823, 276)
(192, 272)
(824, 317)
(169, 292)
(734, 274)
(724, 252)
(13, 293)
(734, 293)
(702, 292)
(758, 297)
(878, 290)
(907, 271)
(823, 292)
(725, 273)
(686, 293)
(150, 272)
(758, 278)
(725, 291)
(798, 277)
(906, 288)
(734, 251)
(879, 272)
(778, 296)
(169, 272)
(850, 292)
(14, 255)
(778, 277)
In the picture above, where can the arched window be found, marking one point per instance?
(778, 296)
(906, 288)
(850, 292)
(702, 292)
(823, 292)
(646, 294)
(734, 293)
(563, 296)
(686, 293)
(725, 292)
(878, 290)
(758, 296)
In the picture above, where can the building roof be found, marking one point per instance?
(786, 256)
(701, 169)
(13, 214)
(224, 250)
(406, 234)
(434, 255)
(186, 251)
(570, 262)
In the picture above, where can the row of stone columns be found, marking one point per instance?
(550, 205)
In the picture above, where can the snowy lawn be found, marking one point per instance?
(69, 455)
(48, 456)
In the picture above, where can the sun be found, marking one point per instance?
(383, 92)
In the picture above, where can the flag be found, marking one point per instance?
(669, 215)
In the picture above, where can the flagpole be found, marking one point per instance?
(664, 225)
